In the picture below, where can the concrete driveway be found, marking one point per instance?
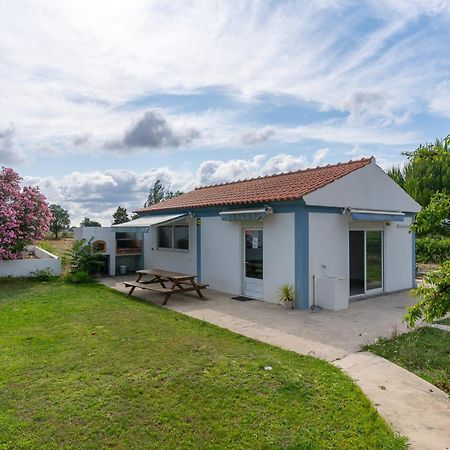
(343, 331)
(414, 407)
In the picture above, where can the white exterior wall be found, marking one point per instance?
(106, 234)
(398, 269)
(366, 188)
(223, 253)
(184, 261)
(328, 246)
(221, 248)
(278, 253)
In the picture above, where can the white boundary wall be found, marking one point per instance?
(25, 267)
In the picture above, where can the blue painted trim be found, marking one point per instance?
(278, 207)
(301, 258)
(325, 209)
(413, 257)
(199, 250)
(142, 259)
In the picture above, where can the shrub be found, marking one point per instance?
(433, 249)
(434, 297)
(79, 277)
(43, 274)
(84, 259)
(24, 215)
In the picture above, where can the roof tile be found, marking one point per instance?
(279, 187)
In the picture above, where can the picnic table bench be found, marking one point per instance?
(180, 282)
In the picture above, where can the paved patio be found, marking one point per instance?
(414, 407)
(343, 331)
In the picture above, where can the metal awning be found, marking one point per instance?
(143, 224)
(246, 214)
(376, 216)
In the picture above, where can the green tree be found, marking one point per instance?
(155, 195)
(120, 216)
(426, 172)
(169, 194)
(90, 223)
(159, 193)
(60, 219)
(434, 297)
(432, 218)
(397, 174)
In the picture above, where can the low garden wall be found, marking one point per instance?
(25, 267)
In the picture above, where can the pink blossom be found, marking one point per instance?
(24, 215)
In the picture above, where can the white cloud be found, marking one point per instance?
(440, 103)
(152, 131)
(68, 68)
(257, 136)
(9, 154)
(98, 194)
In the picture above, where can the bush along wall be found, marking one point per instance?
(433, 249)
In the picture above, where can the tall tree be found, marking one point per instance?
(155, 195)
(159, 193)
(60, 219)
(90, 223)
(169, 194)
(426, 172)
(120, 216)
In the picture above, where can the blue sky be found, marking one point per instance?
(99, 98)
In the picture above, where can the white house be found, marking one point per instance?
(336, 233)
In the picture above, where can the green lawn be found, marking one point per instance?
(87, 367)
(425, 352)
(444, 321)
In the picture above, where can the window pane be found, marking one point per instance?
(254, 254)
(165, 237)
(374, 259)
(181, 237)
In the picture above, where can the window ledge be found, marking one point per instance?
(176, 250)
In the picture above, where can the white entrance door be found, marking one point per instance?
(253, 263)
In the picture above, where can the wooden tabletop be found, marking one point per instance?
(166, 274)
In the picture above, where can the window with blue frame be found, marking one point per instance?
(173, 237)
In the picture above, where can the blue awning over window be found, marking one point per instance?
(143, 224)
(376, 216)
(246, 214)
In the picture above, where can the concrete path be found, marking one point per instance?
(414, 407)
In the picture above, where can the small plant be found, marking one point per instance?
(79, 277)
(286, 294)
(84, 258)
(43, 274)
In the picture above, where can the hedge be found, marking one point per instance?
(433, 249)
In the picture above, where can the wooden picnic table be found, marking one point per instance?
(180, 282)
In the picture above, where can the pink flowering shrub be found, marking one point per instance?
(24, 215)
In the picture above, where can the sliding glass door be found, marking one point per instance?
(374, 260)
(366, 261)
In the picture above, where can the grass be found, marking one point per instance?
(444, 321)
(87, 367)
(58, 247)
(425, 352)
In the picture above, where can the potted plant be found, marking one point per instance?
(286, 295)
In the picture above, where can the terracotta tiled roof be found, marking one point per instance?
(279, 187)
